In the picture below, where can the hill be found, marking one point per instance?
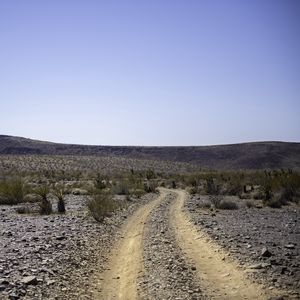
(255, 155)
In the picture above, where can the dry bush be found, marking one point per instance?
(216, 200)
(249, 204)
(150, 186)
(101, 205)
(12, 191)
(227, 204)
(204, 204)
(23, 210)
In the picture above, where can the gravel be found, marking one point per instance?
(265, 241)
(54, 257)
(167, 275)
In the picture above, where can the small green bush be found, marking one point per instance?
(101, 205)
(12, 191)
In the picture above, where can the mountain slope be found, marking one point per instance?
(256, 155)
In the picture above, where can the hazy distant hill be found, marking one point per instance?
(257, 155)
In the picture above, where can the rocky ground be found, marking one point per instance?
(53, 257)
(264, 240)
(167, 275)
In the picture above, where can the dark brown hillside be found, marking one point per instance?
(256, 155)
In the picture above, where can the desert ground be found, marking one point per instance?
(134, 232)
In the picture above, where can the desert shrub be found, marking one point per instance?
(101, 205)
(100, 182)
(150, 174)
(121, 188)
(258, 195)
(277, 200)
(150, 186)
(227, 204)
(174, 185)
(45, 205)
(244, 196)
(12, 191)
(204, 204)
(138, 193)
(23, 210)
(216, 200)
(274, 202)
(287, 194)
(192, 190)
(249, 204)
(211, 187)
(31, 198)
(59, 193)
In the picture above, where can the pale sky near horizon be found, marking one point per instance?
(159, 72)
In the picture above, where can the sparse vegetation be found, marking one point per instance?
(45, 204)
(12, 191)
(59, 193)
(227, 204)
(101, 205)
(216, 200)
(249, 204)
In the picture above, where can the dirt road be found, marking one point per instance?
(220, 278)
(161, 255)
(120, 281)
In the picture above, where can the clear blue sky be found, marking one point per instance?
(159, 72)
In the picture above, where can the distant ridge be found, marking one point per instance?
(254, 155)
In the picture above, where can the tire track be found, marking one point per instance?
(166, 273)
(125, 264)
(221, 279)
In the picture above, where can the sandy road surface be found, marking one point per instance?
(221, 279)
(126, 259)
(217, 277)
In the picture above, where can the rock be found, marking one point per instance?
(50, 282)
(255, 266)
(290, 246)
(265, 252)
(13, 296)
(61, 237)
(29, 280)
(4, 281)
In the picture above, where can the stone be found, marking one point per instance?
(50, 282)
(255, 266)
(265, 252)
(29, 280)
(61, 237)
(290, 246)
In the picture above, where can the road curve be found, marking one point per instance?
(221, 279)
